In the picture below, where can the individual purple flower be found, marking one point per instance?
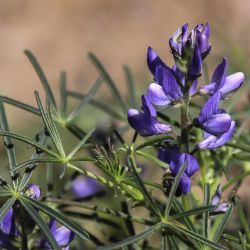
(195, 66)
(222, 206)
(227, 85)
(33, 191)
(83, 187)
(62, 235)
(146, 123)
(212, 119)
(202, 34)
(8, 224)
(182, 42)
(153, 60)
(8, 229)
(182, 79)
(167, 91)
(176, 159)
(212, 142)
(178, 40)
(218, 126)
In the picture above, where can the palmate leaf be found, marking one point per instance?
(87, 98)
(9, 146)
(142, 187)
(154, 159)
(243, 219)
(40, 223)
(131, 86)
(98, 210)
(30, 142)
(132, 239)
(103, 72)
(220, 225)
(42, 138)
(4, 193)
(112, 112)
(63, 93)
(164, 243)
(36, 161)
(188, 222)
(195, 236)
(236, 179)
(4, 184)
(80, 144)
(41, 76)
(59, 217)
(20, 105)
(194, 211)
(50, 125)
(6, 206)
(173, 189)
(172, 243)
(205, 216)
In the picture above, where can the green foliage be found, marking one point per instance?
(168, 222)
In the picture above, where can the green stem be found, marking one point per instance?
(24, 238)
(184, 139)
(184, 126)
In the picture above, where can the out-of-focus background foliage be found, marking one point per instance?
(61, 33)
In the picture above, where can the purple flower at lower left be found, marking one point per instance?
(8, 229)
(8, 225)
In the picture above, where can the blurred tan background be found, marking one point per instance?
(60, 33)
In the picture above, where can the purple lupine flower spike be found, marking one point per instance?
(176, 159)
(146, 123)
(227, 85)
(222, 206)
(83, 187)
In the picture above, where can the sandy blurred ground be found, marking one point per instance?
(60, 33)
